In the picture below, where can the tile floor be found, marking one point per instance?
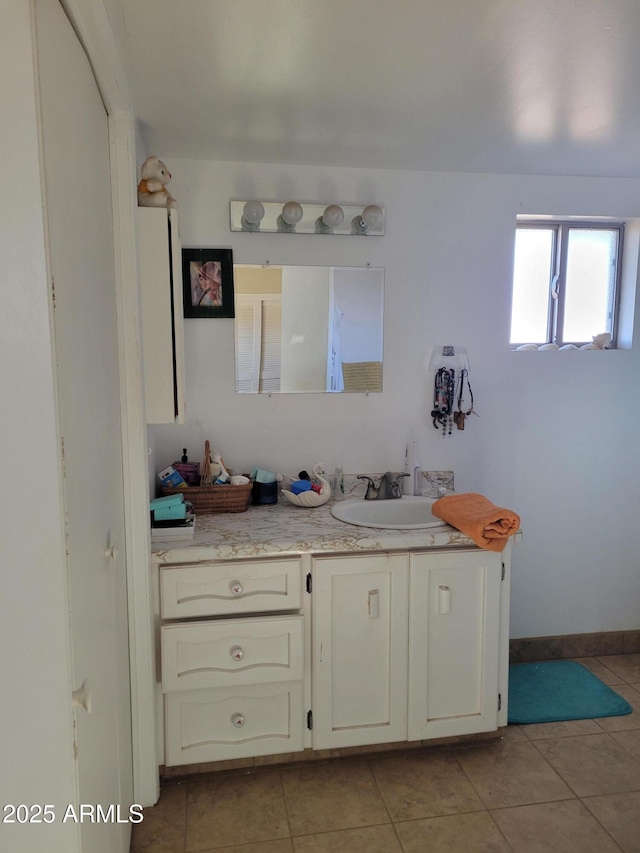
(548, 788)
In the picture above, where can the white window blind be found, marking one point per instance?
(257, 339)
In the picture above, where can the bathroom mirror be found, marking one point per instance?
(308, 329)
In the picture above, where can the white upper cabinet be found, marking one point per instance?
(160, 269)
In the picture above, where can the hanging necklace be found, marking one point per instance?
(443, 397)
(459, 416)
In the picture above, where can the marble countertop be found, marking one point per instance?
(284, 529)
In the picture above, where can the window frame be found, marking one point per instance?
(558, 272)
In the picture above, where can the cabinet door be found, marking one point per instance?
(160, 261)
(359, 650)
(454, 632)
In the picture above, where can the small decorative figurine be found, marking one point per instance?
(152, 189)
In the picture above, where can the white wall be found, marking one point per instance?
(556, 439)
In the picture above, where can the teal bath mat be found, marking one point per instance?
(560, 690)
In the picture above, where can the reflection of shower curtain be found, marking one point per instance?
(336, 382)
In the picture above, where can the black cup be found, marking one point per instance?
(264, 493)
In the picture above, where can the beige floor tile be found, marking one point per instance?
(465, 833)
(599, 668)
(366, 839)
(626, 721)
(566, 728)
(626, 666)
(592, 764)
(162, 829)
(629, 740)
(239, 809)
(513, 733)
(511, 774)
(339, 795)
(562, 827)
(620, 815)
(425, 785)
(282, 845)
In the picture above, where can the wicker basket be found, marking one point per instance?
(211, 499)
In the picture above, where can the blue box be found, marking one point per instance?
(171, 479)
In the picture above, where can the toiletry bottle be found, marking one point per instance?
(223, 474)
(338, 484)
(412, 485)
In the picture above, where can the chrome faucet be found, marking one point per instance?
(389, 488)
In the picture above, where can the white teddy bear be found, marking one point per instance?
(152, 190)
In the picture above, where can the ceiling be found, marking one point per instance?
(504, 86)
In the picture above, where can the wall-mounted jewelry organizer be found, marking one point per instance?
(448, 356)
(452, 394)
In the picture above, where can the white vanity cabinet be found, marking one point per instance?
(232, 685)
(160, 271)
(406, 646)
(328, 650)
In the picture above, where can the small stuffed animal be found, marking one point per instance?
(152, 190)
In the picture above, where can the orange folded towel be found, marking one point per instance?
(487, 524)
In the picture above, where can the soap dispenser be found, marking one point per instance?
(412, 485)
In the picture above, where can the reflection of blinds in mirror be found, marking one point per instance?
(257, 339)
(270, 355)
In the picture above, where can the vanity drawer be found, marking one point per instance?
(233, 722)
(232, 651)
(234, 586)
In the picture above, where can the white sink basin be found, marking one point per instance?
(406, 513)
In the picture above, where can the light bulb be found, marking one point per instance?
(253, 211)
(333, 216)
(372, 215)
(292, 212)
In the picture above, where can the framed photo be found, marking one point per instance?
(207, 281)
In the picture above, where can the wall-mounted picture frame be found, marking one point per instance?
(207, 282)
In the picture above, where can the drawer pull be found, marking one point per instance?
(236, 587)
(444, 599)
(237, 720)
(374, 603)
(236, 652)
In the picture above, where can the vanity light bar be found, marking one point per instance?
(293, 217)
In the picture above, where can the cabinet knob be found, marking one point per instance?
(237, 720)
(236, 587)
(236, 652)
(111, 553)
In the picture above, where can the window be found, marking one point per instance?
(565, 281)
